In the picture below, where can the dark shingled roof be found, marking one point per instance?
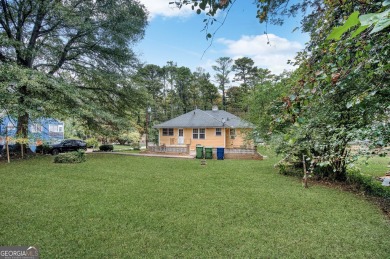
(205, 119)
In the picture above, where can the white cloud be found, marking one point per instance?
(273, 56)
(163, 8)
(207, 64)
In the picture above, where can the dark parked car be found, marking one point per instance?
(66, 145)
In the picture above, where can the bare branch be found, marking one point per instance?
(5, 22)
(64, 54)
(219, 27)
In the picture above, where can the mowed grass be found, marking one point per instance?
(375, 166)
(117, 206)
(122, 148)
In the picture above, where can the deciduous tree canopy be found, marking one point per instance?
(60, 55)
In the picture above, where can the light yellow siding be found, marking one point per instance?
(239, 140)
(168, 140)
(211, 140)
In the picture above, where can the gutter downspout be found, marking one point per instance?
(224, 133)
(159, 137)
(224, 137)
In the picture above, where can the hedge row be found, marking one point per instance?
(368, 184)
(106, 148)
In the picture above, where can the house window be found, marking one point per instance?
(35, 128)
(167, 132)
(10, 126)
(56, 128)
(232, 133)
(198, 133)
(218, 132)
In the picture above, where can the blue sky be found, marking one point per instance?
(176, 35)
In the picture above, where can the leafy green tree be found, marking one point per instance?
(195, 94)
(62, 55)
(265, 100)
(150, 77)
(269, 11)
(223, 69)
(182, 85)
(176, 89)
(340, 93)
(169, 75)
(245, 72)
(377, 21)
(207, 91)
(129, 136)
(264, 75)
(73, 128)
(235, 99)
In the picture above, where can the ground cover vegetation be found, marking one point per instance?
(121, 206)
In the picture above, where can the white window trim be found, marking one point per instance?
(198, 133)
(231, 135)
(55, 128)
(220, 132)
(10, 126)
(36, 128)
(178, 132)
(168, 135)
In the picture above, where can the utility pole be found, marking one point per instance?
(148, 110)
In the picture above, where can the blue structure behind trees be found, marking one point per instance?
(43, 130)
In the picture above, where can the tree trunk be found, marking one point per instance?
(23, 116)
(22, 129)
(223, 99)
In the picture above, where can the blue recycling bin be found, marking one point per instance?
(220, 153)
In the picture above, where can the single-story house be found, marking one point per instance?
(210, 128)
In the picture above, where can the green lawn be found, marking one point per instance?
(375, 166)
(125, 149)
(122, 147)
(116, 206)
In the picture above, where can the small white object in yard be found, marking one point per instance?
(386, 181)
(203, 162)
